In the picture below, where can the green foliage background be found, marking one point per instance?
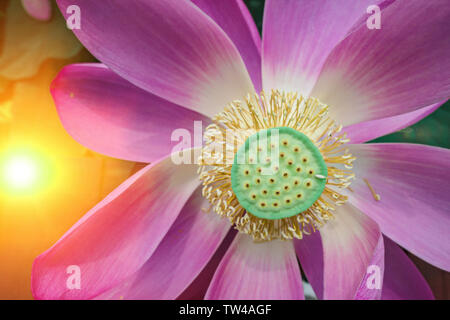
(433, 130)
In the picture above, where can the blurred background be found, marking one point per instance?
(47, 180)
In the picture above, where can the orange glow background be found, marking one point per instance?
(71, 178)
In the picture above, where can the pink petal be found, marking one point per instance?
(369, 130)
(367, 290)
(108, 114)
(235, 19)
(299, 35)
(399, 68)
(402, 280)
(180, 257)
(198, 288)
(336, 260)
(259, 271)
(412, 182)
(171, 49)
(114, 239)
(38, 9)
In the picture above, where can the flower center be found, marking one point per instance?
(278, 173)
(274, 164)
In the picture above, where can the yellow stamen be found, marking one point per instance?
(375, 195)
(240, 120)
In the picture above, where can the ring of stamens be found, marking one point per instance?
(242, 119)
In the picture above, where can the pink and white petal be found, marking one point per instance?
(180, 257)
(257, 271)
(38, 9)
(371, 285)
(397, 69)
(198, 288)
(172, 49)
(298, 36)
(114, 239)
(402, 280)
(413, 184)
(336, 260)
(310, 252)
(109, 115)
(369, 130)
(235, 19)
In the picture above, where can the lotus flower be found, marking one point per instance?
(320, 76)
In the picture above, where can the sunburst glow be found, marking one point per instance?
(21, 172)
